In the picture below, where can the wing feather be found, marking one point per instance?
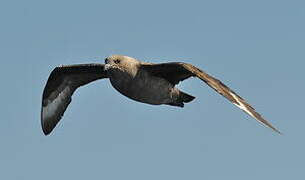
(224, 90)
(178, 71)
(61, 84)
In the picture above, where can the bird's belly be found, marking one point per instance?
(152, 91)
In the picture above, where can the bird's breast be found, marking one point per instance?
(142, 87)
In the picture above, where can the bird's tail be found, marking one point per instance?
(185, 97)
(182, 98)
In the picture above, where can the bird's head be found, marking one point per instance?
(121, 63)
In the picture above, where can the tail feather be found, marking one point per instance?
(186, 97)
(182, 98)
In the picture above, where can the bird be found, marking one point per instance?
(145, 82)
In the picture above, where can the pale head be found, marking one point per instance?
(120, 60)
(122, 63)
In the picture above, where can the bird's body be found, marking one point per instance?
(139, 85)
(143, 88)
(143, 82)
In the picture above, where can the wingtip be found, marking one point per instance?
(45, 129)
(268, 125)
(277, 131)
(46, 132)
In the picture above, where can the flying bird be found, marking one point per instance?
(141, 81)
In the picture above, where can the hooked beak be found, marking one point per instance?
(106, 61)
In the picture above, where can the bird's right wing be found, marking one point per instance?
(62, 83)
(224, 90)
(177, 71)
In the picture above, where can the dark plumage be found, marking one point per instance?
(143, 82)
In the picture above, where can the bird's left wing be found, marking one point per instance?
(62, 83)
(177, 71)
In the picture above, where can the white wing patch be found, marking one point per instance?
(241, 105)
(52, 108)
(244, 108)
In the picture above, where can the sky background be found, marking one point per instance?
(255, 47)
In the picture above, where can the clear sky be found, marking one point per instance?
(256, 47)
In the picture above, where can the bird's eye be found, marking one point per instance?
(116, 61)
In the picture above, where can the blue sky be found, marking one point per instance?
(255, 47)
